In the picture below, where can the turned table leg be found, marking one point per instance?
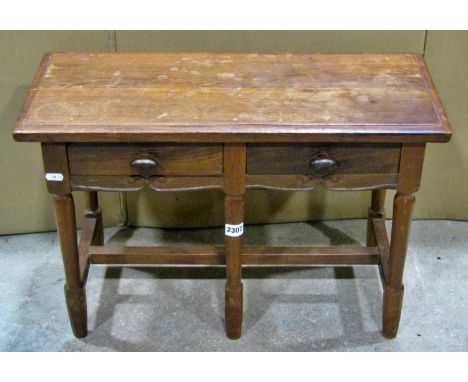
(411, 161)
(234, 188)
(74, 289)
(234, 211)
(376, 210)
(393, 293)
(57, 176)
(92, 208)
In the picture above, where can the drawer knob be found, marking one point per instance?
(144, 163)
(323, 166)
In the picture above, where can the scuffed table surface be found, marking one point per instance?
(231, 97)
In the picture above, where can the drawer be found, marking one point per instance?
(144, 159)
(322, 159)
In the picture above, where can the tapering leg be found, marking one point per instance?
(74, 289)
(92, 207)
(234, 188)
(376, 210)
(234, 216)
(393, 293)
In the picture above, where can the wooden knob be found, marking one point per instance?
(144, 163)
(323, 166)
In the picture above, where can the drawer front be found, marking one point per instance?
(145, 159)
(322, 159)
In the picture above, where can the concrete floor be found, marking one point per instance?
(285, 309)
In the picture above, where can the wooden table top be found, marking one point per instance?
(79, 97)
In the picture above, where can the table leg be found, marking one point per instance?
(74, 289)
(376, 210)
(234, 213)
(234, 188)
(411, 164)
(92, 207)
(393, 292)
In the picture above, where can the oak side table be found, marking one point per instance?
(191, 121)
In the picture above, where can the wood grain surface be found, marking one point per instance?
(232, 97)
(251, 255)
(169, 159)
(295, 158)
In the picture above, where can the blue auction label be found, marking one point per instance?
(234, 230)
(54, 177)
